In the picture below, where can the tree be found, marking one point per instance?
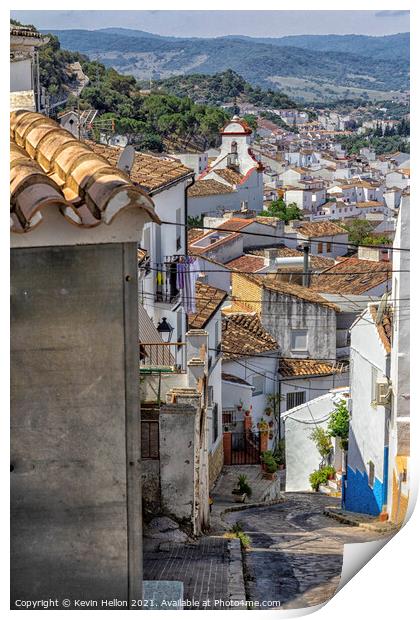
(358, 230)
(339, 424)
(287, 213)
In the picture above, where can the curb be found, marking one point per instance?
(271, 502)
(373, 526)
(236, 581)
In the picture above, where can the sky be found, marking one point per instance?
(219, 23)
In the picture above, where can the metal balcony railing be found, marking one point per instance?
(156, 357)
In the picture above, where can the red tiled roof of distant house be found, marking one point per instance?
(247, 263)
(244, 335)
(208, 187)
(352, 276)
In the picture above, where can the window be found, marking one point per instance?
(217, 342)
(294, 399)
(371, 469)
(299, 340)
(328, 246)
(258, 381)
(178, 229)
(215, 420)
(320, 247)
(210, 396)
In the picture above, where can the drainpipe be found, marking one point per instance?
(187, 187)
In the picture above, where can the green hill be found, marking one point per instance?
(340, 64)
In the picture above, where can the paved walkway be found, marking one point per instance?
(263, 490)
(296, 551)
(202, 567)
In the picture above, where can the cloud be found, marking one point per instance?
(391, 13)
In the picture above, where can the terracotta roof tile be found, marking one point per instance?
(312, 230)
(243, 334)
(208, 300)
(208, 187)
(49, 167)
(272, 283)
(353, 275)
(248, 263)
(235, 223)
(384, 327)
(307, 367)
(152, 173)
(231, 176)
(318, 262)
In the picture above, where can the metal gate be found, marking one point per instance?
(245, 448)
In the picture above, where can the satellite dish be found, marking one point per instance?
(126, 159)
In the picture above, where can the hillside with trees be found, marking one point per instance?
(224, 87)
(387, 140)
(362, 64)
(157, 121)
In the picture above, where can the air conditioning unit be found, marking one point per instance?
(383, 391)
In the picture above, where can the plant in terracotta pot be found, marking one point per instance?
(270, 435)
(269, 465)
(271, 424)
(240, 405)
(262, 425)
(268, 411)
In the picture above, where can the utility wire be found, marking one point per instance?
(281, 237)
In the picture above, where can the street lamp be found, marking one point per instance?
(165, 329)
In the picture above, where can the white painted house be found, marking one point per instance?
(399, 432)
(24, 84)
(365, 488)
(302, 456)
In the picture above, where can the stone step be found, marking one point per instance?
(327, 490)
(335, 485)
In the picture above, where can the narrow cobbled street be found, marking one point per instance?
(296, 551)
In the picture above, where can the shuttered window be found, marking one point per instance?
(149, 439)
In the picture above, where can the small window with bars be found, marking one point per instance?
(294, 399)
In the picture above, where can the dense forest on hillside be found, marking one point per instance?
(258, 61)
(221, 88)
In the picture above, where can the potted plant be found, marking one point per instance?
(271, 424)
(262, 425)
(268, 411)
(330, 472)
(240, 405)
(269, 465)
(242, 490)
(270, 435)
(280, 454)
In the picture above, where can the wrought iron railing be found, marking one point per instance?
(162, 357)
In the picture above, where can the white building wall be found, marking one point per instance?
(302, 456)
(21, 77)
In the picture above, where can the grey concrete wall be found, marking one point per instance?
(177, 460)
(75, 436)
(282, 313)
(150, 478)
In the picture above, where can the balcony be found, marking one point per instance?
(166, 278)
(162, 357)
